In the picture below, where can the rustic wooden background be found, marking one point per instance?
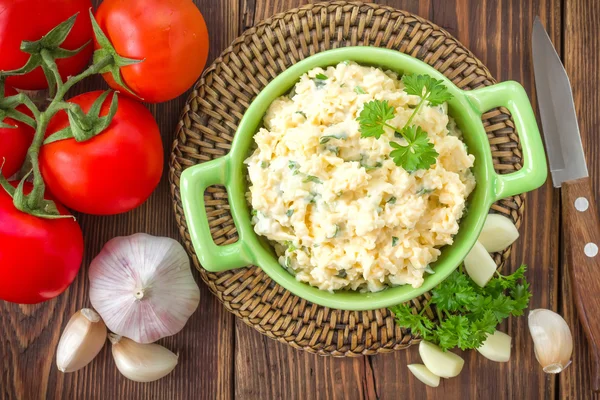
(223, 358)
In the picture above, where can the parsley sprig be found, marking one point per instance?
(419, 152)
(467, 312)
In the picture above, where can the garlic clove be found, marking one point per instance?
(496, 347)
(480, 266)
(143, 287)
(552, 340)
(81, 341)
(141, 362)
(498, 233)
(439, 362)
(424, 375)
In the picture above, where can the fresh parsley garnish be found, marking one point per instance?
(419, 152)
(293, 165)
(367, 167)
(334, 149)
(312, 178)
(427, 88)
(359, 90)
(394, 241)
(373, 118)
(264, 164)
(326, 138)
(322, 77)
(467, 312)
(392, 200)
(424, 191)
(289, 212)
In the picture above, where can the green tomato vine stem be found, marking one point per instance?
(42, 119)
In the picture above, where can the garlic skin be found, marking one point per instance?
(552, 340)
(81, 341)
(143, 287)
(141, 362)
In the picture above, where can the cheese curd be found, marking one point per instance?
(338, 210)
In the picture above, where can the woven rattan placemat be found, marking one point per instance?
(211, 116)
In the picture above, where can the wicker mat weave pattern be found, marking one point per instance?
(211, 116)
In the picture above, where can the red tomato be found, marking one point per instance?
(111, 173)
(39, 258)
(169, 35)
(30, 20)
(14, 142)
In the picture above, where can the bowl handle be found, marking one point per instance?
(534, 172)
(194, 182)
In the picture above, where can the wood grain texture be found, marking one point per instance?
(581, 230)
(581, 32)
(223, 358)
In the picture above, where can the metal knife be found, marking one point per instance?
(569, 172)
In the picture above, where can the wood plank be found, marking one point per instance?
(498, 33)
(581, 56)
(266, 369)
(30, 333)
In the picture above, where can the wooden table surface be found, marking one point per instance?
(223, 358)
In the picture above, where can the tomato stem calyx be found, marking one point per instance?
(44, 53)
(107, 50)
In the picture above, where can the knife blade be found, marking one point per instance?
(569, 171)
(557, 111)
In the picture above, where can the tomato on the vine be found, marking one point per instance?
(112, 172)
(39, 258)
(30, 20)
(169, 36)
(14, 142)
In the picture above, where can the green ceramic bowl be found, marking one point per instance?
(466, 107)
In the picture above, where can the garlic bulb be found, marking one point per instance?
(552, 340)
(143, 287)
(141, 362)
(81, 341)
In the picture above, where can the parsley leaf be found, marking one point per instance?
(419, 152)
(415, 322)
(312, 178)
(326, 138)
(427, 88)
(373, 118)
(394, 241)
(466, 312)
(322, 77)
(359, 90)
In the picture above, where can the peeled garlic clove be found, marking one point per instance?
(496, 347)
(81, 341)
(424, 375)
(552, 340)
(143, 287)
(480, 266)
(498, 233)
(141, 362)
(439, 362)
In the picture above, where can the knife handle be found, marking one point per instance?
(582, 239)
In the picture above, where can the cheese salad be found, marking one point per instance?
(338, 210)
